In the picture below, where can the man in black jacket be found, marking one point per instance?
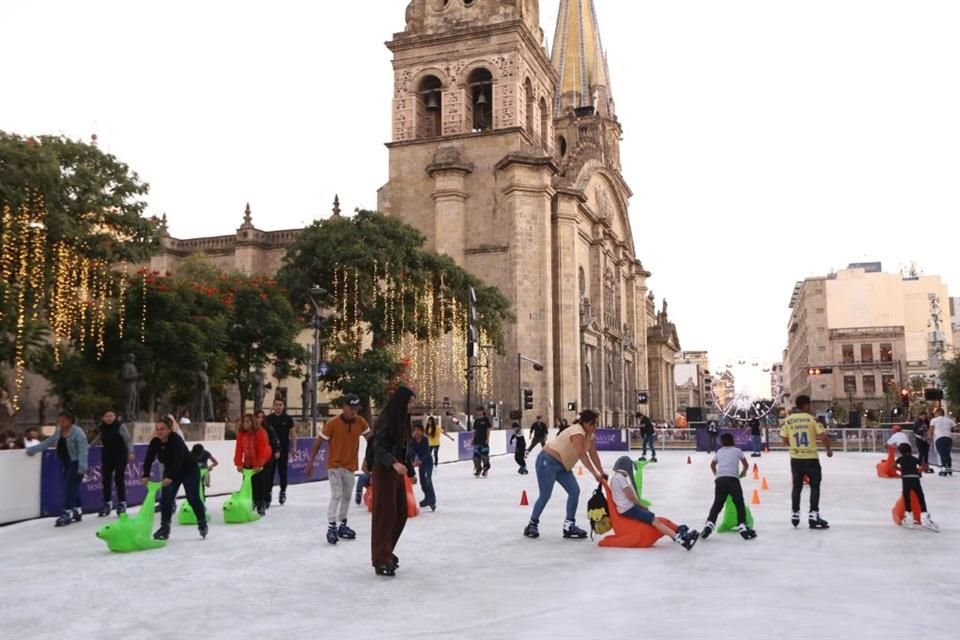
(481, 443)
(282, 424)
(538, 434)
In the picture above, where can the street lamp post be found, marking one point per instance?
(536, 367)
(314, 293)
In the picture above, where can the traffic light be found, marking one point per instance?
(528, 398)
(816, 371)
(905, 398)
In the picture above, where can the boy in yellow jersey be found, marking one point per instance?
(800, 432)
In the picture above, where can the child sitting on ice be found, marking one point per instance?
(628, 505)
(910, 476)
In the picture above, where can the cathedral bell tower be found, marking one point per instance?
(472, 164)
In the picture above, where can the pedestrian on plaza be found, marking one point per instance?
(342, 435)
(268, 468)
(117, 452)
(385, 460)
(30, 438)
(418, 456)
(179, 468)
(713, 430)
(434, 431)
(729, 464)
(481, 443)
(801, 432)
(943, 426)
(72, 453)
(755, 436)
(520, 450)
(286, 431)
(538, 434)
(648, 435)
(921, 433)
(185, 416)
(555, 465)
(252, 451)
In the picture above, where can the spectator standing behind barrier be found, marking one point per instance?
(9, 441)
(179, 468)
(385, 460)
(943, 427)
(72, 452)
(30, 438)
(117, 452)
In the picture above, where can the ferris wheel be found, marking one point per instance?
(746, 400)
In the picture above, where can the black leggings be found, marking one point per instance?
(800, 467)
(724, 487)
(266, 481)
(113, 469)
(913, 484)
(435, 451)
(281, 466)
(190, 479)
(923, 448)
(944, 443)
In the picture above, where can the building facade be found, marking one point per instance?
(506, 157)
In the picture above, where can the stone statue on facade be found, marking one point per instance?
(203, 401)
(130, 378)
(306, 396)
(259, 384)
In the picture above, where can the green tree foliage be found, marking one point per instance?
(950, 376)
(375, 245)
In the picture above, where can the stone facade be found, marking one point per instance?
(521, 186)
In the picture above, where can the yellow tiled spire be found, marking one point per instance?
(579, 58)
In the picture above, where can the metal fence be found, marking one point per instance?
(857, 440)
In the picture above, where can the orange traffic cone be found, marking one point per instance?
(688, 460)
(580, 470)
(523, 499)
(756, 498)
(756, 474)
(764, 486)
(755, 467)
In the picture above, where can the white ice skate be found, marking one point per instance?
(928, 523)
(907, 521)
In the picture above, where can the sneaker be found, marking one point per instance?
(121, 508)
(907, 522)
(572, 531)
(204, 530)
(65, 519)
(795, 518)
(816, 522)
(746, 532)
(105, 511)
(927, 522)
(532, 530)
(707, 530)
(283, 497)
(346, 533)
(332, 534)
(163, 533)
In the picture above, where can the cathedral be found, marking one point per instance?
(506, 156)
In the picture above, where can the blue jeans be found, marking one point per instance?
(643, 515)
(426, 483)
(755, 443)
(71, 485)
(650, 439)
(944, 444)
(549, 471)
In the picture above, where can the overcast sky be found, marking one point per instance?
(765, 140)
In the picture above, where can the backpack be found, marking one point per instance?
(597, 512)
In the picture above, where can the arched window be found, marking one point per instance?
(562, 146)
(544, 124)
(480, 85)
(430, 105)
(531, 105)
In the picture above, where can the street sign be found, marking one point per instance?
(323, 369)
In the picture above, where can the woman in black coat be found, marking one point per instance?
(387, 462)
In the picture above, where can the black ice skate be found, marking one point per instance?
(65, 518)
(707, 530)
(163, 533)
(204, 530)
(795, 519)
(121, 508)
(77, 515)
(686, 538)
(283, 498)
(346, 533)
(653, 459)
(532, 530)
(816, 522)
(386, 571)
(105, 510)
(572, 531)
(746, 532)
(332, 534)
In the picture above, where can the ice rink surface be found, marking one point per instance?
(467, 572)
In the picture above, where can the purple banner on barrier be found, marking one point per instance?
(611, 440)
(297, 462)
(741, 438)
(465, 445)
(511, 443)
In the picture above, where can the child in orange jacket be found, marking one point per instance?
(253, 452)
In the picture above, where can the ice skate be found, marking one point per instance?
(572, 531)
(121, 508)
(65, 518)
(746, 532)
(261, 509)
(204, 530)
(686, 538)
(653, 459)
(532, 530)
(163, 533)
(332, 536)
(77, 515)
(345, 533)
(907, 522)
(283, 497)
(642, 458)
(485, 472)
(795, 518)
(927, 523)
(386, 571)
(707, 530)
(816, 522)
(105, 510)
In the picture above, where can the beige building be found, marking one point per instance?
(694, 382)
(871, 328)
(506, 157)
